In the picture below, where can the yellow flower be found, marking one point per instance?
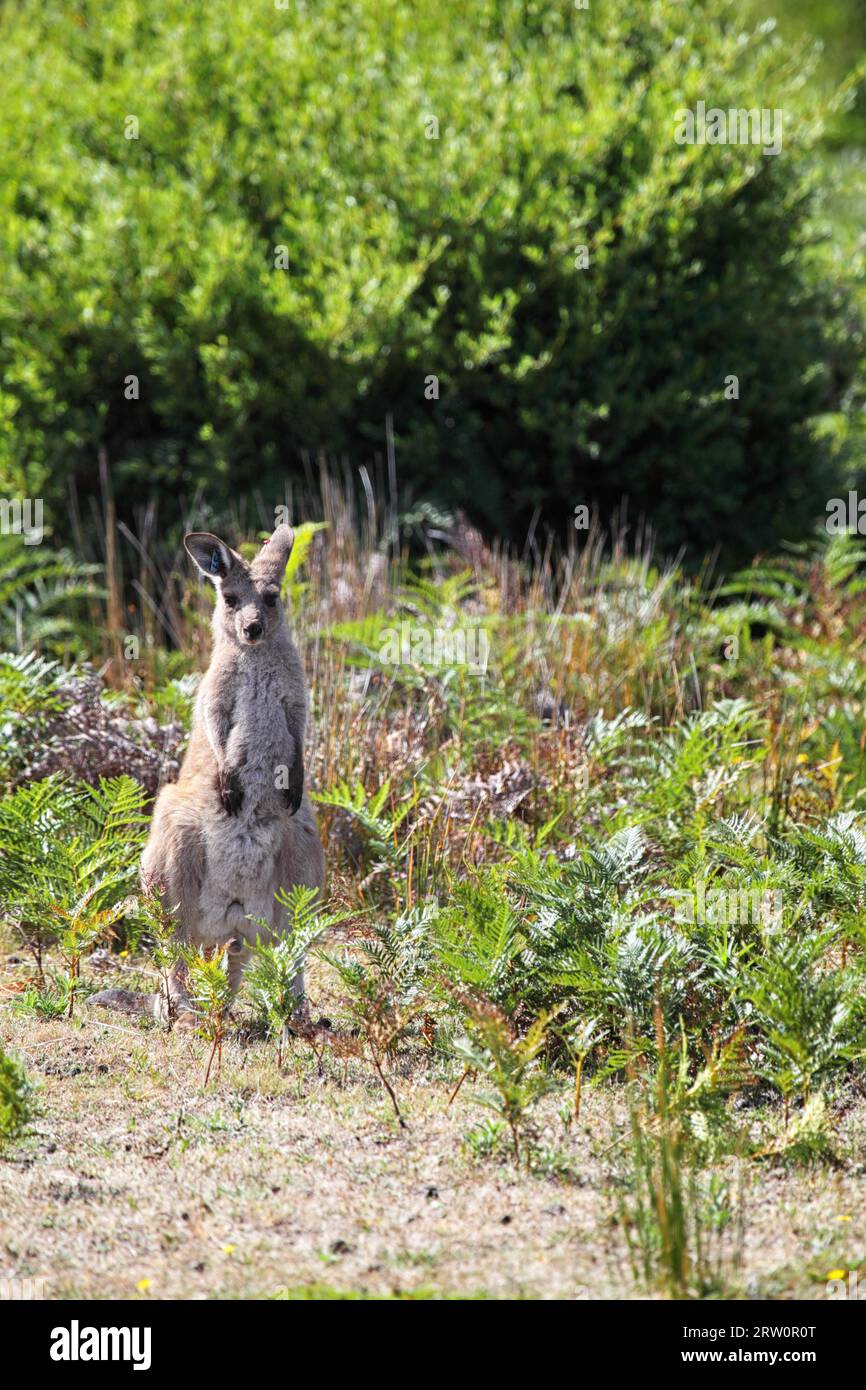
(836, 1274)
(228, 1249)
(843, 1218)
(143, 1285)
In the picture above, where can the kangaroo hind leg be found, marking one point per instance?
(172, 868)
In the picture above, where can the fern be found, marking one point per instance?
(68, 850)
(272, 980)
(43, 596)
(508, 1063)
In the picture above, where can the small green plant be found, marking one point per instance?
(271, 979)
(49, 999)
(78, 931)
(153, 924)
(270, 982)
(804, 1137)
(580, 1038)
(386, 977)
(211, 991)
(379, 1023)
(16, 1099)
(486, 1137)
(676, 1211)
(508, 1063)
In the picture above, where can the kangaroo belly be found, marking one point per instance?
(241, 855)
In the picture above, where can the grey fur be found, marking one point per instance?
(237, 825)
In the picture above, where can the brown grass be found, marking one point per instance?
(139, 1181)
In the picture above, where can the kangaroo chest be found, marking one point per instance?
(259, 744)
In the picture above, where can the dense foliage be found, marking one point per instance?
(266, 136)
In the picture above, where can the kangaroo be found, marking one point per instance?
(238, 824)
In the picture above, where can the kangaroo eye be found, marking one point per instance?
(270, 599)
(230, 601)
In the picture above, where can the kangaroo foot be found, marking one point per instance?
(127, 1001)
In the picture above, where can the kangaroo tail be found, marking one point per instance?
(129, 1001)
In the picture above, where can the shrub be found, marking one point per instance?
(306, 128)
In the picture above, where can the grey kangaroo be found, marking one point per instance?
(238, 824)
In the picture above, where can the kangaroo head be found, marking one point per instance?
(249, 609)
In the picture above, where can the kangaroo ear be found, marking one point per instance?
(270, 563)
(212, 555)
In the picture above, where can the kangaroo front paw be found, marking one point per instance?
(293, 794)
(231, 792)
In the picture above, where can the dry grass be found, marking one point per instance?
(140, 1182)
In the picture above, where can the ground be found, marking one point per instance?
(139, 1181)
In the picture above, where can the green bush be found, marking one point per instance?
(307, 127)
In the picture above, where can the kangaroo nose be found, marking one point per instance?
(253, 630)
